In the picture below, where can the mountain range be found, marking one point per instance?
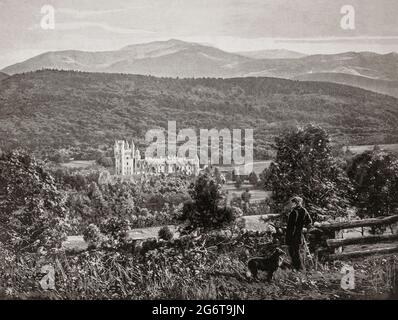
(272, 54)
(173, 58)
(176, 58)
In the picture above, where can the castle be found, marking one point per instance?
(128, 162)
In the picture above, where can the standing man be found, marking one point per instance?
(298, 219)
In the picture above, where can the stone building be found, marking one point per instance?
(128, 162)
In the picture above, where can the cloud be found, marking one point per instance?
(68, 26)
(80, 14)
(86, 13)
(338, 39)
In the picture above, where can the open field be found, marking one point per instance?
(256, 166)
(360, 149)
(256, 194)
(77, 242)
(79, 164)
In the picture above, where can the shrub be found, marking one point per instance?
(93, 236)
(238, 182)
(116, 231)
(165, 233)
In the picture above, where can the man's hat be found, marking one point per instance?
(297, 199)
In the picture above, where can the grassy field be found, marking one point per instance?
(360, 149)
(257, 166)
(79, 164)
(77, 242)
(256, 194)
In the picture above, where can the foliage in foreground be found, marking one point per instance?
(33, 212)
(208, 267)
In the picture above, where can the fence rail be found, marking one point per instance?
(359, 223)
(339, 242)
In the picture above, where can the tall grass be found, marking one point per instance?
(166, 275)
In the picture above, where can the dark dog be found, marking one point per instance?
(269, 264)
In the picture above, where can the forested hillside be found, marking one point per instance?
(3, 76)
(54, 109)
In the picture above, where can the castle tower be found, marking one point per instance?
(124, 158)
(118, 151)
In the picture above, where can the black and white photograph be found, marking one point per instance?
(198, 150)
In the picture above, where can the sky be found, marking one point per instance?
(307, 26)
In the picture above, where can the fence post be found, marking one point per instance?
(339, 234)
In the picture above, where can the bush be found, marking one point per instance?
(93, 236)
(165, 233)
(238, 182)
(106, 162)
(116, 231)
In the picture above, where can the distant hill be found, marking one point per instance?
(272, 54)
(380, 86)
(175, 58)
(54, 109)
(367, 64)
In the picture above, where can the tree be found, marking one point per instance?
(375, 178)
(233, 175)
(238, 182)
(218, 176)
(304, 167)
(33, 214)
(105, 161)
(253, 178)
(206, 193)
(98, 203)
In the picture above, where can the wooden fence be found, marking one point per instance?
(333, 247)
